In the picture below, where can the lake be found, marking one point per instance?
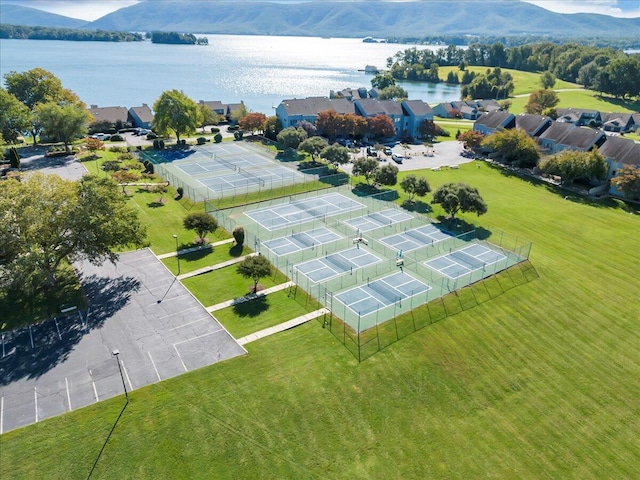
(259, 70)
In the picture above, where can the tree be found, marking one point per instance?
(63, 122)
(123, 177)
(239, 113)
(366, 167)
(272, 127)
(94, 144)
(387, 175)
(383, 80)
(514, 145)
(471, 139)
(253, 122)
(547, 80)
(14, 116)
(291, 137)
(540, 101)
(308, 127)
(34, 87)
(428, 129)
(415, 186)
(459, 197)
(393, 92)
(381, 126)
(627, 181)
(48, 221)
(207, 116)
(176, 112)
(313, 146)
(161, 189)
(14, 157)
(330, 123)
(255, 267)
(335, 154)
(200, 222)
(573, 165)
(355, 125)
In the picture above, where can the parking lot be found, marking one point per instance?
(136, 307)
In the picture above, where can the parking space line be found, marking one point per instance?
(95, 390)
(31, 337)
(1, 414)
(154, 366)
(35, 399)
(173, 314)
(66, 382)
(186, 324)
(57, 328)
(126, 374)
(82, 321)
(195, 338)
(176, 349)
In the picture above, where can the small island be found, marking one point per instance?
(175, 38)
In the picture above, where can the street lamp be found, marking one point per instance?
(175, 237)
(116, 354)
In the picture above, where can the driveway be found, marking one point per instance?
(68, 167)
(136, 307)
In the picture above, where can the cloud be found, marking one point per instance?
(613, 8)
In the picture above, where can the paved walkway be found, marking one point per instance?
(211, 268)
(195, 249)
(236, 301)
(281, 327)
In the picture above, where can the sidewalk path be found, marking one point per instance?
(195, 249)
(211, 268)
(236, 301)
(281, 327)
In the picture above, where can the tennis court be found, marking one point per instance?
(415, 238)
(302, 211)
(301, 241)
(246, 178)
(335, 264)
(386, 291)
(465, 260)
(380, 219)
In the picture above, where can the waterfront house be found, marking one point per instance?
(113, 115)
(141, 117)
(370, 107)
(415, 112)
(617, 122)
(533, 125)
(291, 112)
(216, 106)
(579, 117)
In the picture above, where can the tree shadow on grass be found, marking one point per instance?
(155, 204)
(417, 206)
(458, 226)
(252, 308)
(236, 250)
(32, 351)
(366, 190)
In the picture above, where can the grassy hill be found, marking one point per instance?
(541, 382)
(21, 15)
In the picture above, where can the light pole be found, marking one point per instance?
(116, 354)
(175, 237)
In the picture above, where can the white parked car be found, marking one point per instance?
(101, 136)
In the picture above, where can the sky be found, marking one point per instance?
(94, 9)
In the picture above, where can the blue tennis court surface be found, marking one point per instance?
(415, 238)
(378, 219)
(302, 211)
(300, 241)
(251, 177)
(205, 166)
(465, 260)
(324, 268)
(381, 293)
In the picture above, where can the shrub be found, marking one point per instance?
(14, 157)
(117, 149)
(117, 138)
(217, 138)
(151, 136)
(201, 140)
(215, 130)
(238, 234)
(126, 156)
(155, 144)
(238, 134)
(180, 191)
(111, 165)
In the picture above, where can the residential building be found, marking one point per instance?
(141, 117)
(551, 138)
(370, 107)
(112, 115)
(216, 106)
(415, 111)
(292, 111)
(617, 122)
(491, 122)
(533, 125)
(579, 117)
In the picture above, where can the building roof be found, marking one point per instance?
(214, 105)
(621, 120)
(417, 107)
(313, 105)
(577, 111)
(557, 131)
(583, 138)
(495, 119)
(143, 113)
(487, 105)
(109, 114)
(530, 123)
(621, 150)
(371, 107)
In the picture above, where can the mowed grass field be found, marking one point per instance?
(586, 99)
(541, 382)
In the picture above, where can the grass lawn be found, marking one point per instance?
(525, 82)
(541, 382)
(225, 284)
(264, 312)
(586, 99)
(194, 261)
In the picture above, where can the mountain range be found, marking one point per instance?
(342, 19)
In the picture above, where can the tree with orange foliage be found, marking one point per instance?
(253, 122)
(381, 126)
